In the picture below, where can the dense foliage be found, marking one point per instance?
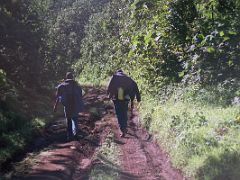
(19, 44)
(39, 42)
(166, 41)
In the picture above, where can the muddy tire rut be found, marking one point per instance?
(142, 158)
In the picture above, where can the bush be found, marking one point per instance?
(200, 135)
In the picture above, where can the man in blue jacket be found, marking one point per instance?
(69, 93)
(121, 90)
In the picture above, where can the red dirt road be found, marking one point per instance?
(140, 157)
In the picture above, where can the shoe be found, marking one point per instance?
(76, 138)
(81, 133)
(69, 139)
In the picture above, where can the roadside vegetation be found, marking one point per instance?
(23, 113)
(105, 162)
(201, 137)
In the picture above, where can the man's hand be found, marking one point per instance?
(138, 105)
(132, 106)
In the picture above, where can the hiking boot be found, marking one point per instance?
(81, 135)
(76, 138)
(69, 139)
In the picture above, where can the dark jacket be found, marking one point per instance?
(120, 80)
(70, 94)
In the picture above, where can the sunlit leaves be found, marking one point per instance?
(169, 40)
(222, 33)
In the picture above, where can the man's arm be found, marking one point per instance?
(110, 87)
(138, 96)
(55, 105)
(57, 99)
(80, 90)
(135, 93)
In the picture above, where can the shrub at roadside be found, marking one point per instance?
(201, 137)
(22, 114)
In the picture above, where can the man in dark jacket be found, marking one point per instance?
(69, 93)
(121, 90)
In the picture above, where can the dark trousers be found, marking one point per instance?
(70, 127)
(121, 109)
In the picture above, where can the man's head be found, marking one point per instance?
(119, 71)
(69, 75)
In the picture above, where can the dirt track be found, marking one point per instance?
(140, 157)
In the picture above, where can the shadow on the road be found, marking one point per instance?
(109, 167)
(46, 175)
(54, 137)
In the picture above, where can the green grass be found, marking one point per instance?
(202, 139)
(107, 165)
